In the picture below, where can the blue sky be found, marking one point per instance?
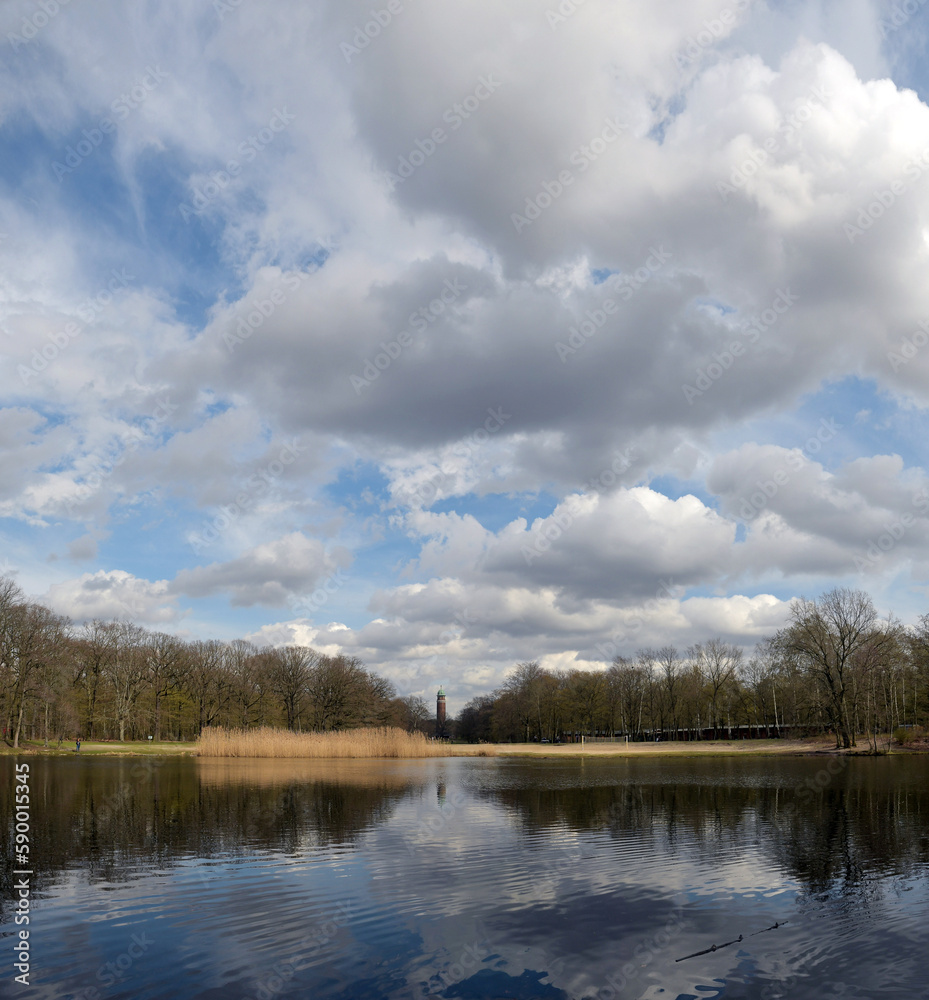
(254, 388)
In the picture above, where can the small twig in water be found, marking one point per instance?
(773, 927)
(706, 951)
(716, 947)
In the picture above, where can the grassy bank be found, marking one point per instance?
(107, 748)
(685, 748)
(384, 742)
(367, 743)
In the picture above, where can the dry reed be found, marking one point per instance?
(267, 742)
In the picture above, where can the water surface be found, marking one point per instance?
(474, 878)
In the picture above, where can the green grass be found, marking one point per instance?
(672, 748)
(131, 748)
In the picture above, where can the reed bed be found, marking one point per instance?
(267, 742)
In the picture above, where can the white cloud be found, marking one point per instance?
(267, 574)
(470, 637)
(760, 205)
(803, 519)
(611, 546)
(114, 594)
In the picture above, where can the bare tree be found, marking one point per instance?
(669, 665)
(291, 678)
(756, 678)
(35, 637)
(94, 648)
(377, 696)
(201, 675)
(613, 696)
(525, 685)
(475, 720)
(918, 646)
(827, 634)
(128, 672)
(718, 662)
(249, 679)
(337, 686)
(630, 681)
(583, 698)
(417, 713)
(877, 662)
(11, 598)
(164, 653)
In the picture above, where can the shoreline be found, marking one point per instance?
(568, 751)
(701, 748)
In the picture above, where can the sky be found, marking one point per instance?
(451, 336)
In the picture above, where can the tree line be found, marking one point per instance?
(116, 680)
(834, 667)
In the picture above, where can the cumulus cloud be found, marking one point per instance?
(758, 159)
(473, 636)
(540, 306)
(114, 594)
(267, 574)
(804, 519)
(612, 546)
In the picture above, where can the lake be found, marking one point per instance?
(474, 878)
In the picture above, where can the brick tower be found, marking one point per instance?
(440, 713)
